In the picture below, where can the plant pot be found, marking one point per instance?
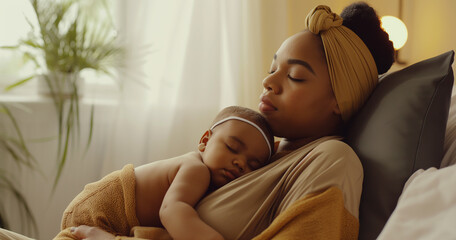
(61, 84)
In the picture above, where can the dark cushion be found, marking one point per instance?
(399, 130)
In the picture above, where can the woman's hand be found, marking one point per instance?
(91, 233)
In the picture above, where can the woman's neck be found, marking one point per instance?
(287, 145)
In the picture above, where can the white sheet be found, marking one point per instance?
(426, 208)
(449, 157)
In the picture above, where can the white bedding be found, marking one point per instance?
(426, 208)
(449, 157)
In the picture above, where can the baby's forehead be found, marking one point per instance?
(237, 130)
(235, 120)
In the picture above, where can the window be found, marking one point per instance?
(16, 18)
(14, 26)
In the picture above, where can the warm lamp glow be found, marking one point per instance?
(396, 30)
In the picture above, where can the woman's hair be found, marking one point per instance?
(363, 20)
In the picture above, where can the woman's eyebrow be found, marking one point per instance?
(302, 63)
(305, 64)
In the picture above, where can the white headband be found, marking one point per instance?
(249, 122)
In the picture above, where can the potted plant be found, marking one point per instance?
(66, 42)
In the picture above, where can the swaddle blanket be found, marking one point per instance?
(108, 204)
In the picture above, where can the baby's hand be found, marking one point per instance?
(91, 233)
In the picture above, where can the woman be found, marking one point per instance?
(318, 79)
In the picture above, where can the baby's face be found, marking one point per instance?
(234, 149)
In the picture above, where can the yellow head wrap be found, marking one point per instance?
(352, 68)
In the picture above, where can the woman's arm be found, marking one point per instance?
(177, 212)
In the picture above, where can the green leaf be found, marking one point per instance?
(10, 47)
(20, 142)
(32, 43)
(17, 150)
(18, 83)
(69, 127)
(92, 114)
(25, 211)
(28, 56)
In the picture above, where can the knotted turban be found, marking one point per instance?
(352, 68)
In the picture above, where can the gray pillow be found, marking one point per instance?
(399, 130)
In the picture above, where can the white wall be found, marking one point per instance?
(39, 128)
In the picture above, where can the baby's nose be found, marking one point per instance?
(241, 164)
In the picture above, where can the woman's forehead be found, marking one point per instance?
(303, 45)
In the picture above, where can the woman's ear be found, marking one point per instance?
(203, 140)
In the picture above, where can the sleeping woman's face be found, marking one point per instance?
(298, 100)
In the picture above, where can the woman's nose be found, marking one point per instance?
(270, 83)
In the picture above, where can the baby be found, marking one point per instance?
(166, 191)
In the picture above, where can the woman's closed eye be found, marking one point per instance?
(295, 79)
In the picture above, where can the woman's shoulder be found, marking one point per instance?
(337, 152)
(335, 147)
(336, 164)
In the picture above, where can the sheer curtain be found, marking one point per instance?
(187, 60)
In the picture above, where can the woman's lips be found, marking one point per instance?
(266, 105)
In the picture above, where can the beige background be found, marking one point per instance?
(430, 24)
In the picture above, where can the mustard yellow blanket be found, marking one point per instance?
(316, 216)
(108, 204)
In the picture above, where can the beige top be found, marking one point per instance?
(246, 206)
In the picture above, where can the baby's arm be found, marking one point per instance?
(177, 213)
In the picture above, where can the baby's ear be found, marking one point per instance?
(203, 140)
